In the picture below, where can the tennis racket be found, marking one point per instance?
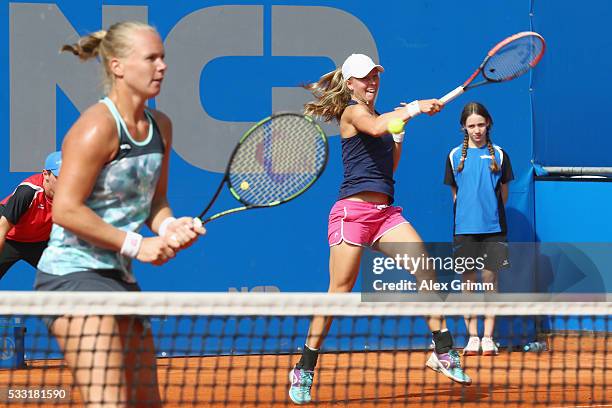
(509, 59)
(275, 161)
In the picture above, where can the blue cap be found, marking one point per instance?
(54, 162)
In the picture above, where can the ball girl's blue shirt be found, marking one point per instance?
(479, 208)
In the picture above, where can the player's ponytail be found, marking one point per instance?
(87, 47)
(332, 96)
(116, 42)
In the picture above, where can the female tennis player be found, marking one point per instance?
(364, 214)
(114, 179)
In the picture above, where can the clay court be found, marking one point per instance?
(572, 374)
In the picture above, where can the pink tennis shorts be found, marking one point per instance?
(361, 223)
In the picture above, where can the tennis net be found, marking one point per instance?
(236, 350)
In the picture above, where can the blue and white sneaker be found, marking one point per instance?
(449, 364)
(301, 383)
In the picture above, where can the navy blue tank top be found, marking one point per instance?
(368, 164)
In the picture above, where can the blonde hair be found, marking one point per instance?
(332, 96)
(116, 42)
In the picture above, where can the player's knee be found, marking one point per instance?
(341, 285)
(488, 276)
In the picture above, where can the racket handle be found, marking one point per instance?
(197, 222)
(452, 94)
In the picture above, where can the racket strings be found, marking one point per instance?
(278, 160)
(514, 59)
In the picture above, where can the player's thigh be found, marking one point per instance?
(344, 261)
(396, 238)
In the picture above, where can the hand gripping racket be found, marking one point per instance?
(509, 59)
(275, 161)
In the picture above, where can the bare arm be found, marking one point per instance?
(364, 121)
(360, 118)
(397, 154)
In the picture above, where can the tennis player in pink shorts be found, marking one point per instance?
(364, 215)
(361, 223)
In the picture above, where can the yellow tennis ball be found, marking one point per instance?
(244, 185)
(395, 126)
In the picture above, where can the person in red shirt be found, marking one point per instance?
(25, 217)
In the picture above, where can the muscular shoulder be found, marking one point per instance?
(96, 131)
(351, 115)
(98, 121)
(353, 111)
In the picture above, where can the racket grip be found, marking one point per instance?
(452, 94)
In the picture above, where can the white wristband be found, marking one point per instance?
(131, 244)
(398, 137)
(413, 109)
(164, 225)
